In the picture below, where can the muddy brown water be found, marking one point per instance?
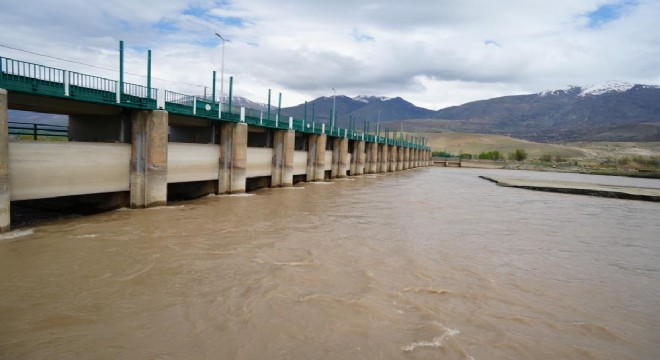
(424, 264)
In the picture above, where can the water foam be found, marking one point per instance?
(436, 343)
(10, 236)
(323, 183)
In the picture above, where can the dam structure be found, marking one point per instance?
(130, 145)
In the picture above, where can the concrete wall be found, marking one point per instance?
(4, 163)
(300, 162)
(192, 162)
(259, 162)
(41, 169)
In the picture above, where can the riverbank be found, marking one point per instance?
(566, 187)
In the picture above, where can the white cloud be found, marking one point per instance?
(434, 53)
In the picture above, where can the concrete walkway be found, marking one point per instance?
(566, 187)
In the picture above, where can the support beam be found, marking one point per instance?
(5, 222)
(148, 177)
(282, 174)
(233, 158)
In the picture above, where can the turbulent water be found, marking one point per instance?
(424, 264)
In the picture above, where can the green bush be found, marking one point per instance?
(546, 158)
(491, 155)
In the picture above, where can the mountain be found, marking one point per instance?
(361, 108)
(612, 112)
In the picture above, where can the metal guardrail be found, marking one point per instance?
(33, 78)
(35, 130)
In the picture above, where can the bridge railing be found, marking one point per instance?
(29, 77)
(34, 78)
(139, 96)
(33, 130)
(92, 88)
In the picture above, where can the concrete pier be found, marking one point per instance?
(382, 158)
(392, 159)
(4, 163)
(148, 177)
(361, 157)
(373, 158)
(319, 164)
(233, 158)
(343, 158)
(282, 172)
(336, 157)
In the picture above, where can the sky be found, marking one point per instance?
(433, 53)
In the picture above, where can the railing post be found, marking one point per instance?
(268, 104)
(121, 71)
(305, 113)
(66, 82)
(242, 114)
(231, 89)
(195, 105)
(290, 122)
(279, 107)
(34, 132)
(148, 74)
(213, 91)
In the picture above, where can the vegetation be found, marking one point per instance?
(491, 155)
(518, 155)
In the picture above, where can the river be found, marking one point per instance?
(431, 263)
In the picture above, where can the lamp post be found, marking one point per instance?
(334, 94)
(222, 69)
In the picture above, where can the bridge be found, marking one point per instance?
(134, 145)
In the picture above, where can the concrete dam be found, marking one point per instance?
(132, 145)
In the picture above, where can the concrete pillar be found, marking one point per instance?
(354, 158)
(406, 163)
(373, 158)
(399, 158)
(361, 157)
(382, 158)
(343, 157)
(282, 172)
(5, 200)
(148, 158)
(392, 158)
(319, 164)
(233, 158)
(336, 157)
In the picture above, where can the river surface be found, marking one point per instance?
(431, 263)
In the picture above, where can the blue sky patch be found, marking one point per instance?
(361, 37)
(609, 12)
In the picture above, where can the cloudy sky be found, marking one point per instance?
(434, 53)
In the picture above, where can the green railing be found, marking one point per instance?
(92, 88)
(32, 78)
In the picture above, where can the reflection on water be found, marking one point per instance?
(424, 264)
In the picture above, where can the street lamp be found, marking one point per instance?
(334, 93)
(222, 69)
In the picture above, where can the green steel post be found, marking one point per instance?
(279, 108)
(213, 87)
(231, 88)
(149, 74)
(268, 104)
(121, 67)
(305, 113)
(313, 112)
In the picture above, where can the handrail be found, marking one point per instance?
(35, 130)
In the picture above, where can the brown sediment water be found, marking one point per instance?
(422, 264)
